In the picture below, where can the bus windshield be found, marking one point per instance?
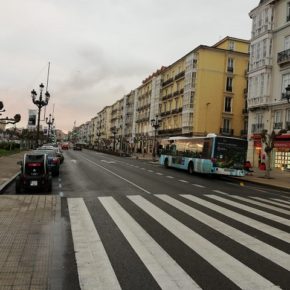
(230, 152)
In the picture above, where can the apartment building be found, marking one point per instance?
(269, 77)
(204, 91)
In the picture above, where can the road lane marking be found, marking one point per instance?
(168, 176)
(167, 273)
(277, 256)
(281, 200)
(159, 173)
(218, 191)
(94, 267)
(117, 175)
(149, 170)
(198, 185)
(183, 181)
(60, 186)
(238, 273)
(258, 212)
(61, 194)
(109, 162)
(279, 234)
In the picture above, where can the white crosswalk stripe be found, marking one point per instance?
(165, 270)
(237, 272)
(128, 214)
(284, 236)
(272, 202)
(251, 209)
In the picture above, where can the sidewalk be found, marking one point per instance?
(9, 168)
(278, 178)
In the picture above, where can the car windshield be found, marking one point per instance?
(49, 153)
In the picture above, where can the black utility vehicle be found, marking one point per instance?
(35, 173)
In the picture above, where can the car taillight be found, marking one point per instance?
(55, 160)
(34, 164)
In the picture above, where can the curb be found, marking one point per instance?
(286, 189)
(7, 183)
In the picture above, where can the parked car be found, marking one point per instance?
(56, 149)
(34, 173)
(52, 160)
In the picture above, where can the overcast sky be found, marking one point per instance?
(100, 50)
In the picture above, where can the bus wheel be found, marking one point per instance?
(190, 168)
(166, 162)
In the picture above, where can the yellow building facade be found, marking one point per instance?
(205, 91)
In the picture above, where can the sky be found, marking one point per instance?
(100, 50)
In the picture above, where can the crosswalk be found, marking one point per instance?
(211, 241)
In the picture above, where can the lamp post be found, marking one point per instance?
(49, 121)
(41, 102)
(114, 132)
(287, 94)
(7, 120)
(155, 123)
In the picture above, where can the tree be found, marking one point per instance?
(268, 142)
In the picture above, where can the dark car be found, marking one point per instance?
(77, 147)
(53, 160)
(34, 173)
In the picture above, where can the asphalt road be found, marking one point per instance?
(137, 225)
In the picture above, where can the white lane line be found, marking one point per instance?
(59, 180)
(252, 210)
(238, 273)
(279, 234)
(198, 185)
(218, 191)
(143, 168)
(59, 186)
(159, 173)
(183, 181)
(94, 267)
(281, 200)
(271, 202)
(277, 256)
(61, 194)
(149, 170)
(167, 273)
(117, 175)
(168, 176)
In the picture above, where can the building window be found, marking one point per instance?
(287, 120)
(229, 86)
(288, 12)
(264, 48)
(228, 104)
(285, 82)
(287, 42)
(230, 67)
(278, 120)
(231, 45)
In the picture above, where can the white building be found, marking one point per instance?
(268, 76)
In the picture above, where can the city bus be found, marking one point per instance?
(210, 155)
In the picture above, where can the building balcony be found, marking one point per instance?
(283, 57)
(179, 75)
(230, 69)
(229, 89)
(172, 131)
(258, 102)
(257, 128)
(278, 125)
(226, 131)
(169, 81)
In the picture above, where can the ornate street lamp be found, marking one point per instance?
(41, 102)
(49, 121)
(155, 123)
(114, 132)
(7, 120)
(287, 94)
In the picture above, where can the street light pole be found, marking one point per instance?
(49, 122)
(39, 103)
(155, 123)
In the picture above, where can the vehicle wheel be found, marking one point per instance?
(18, 187)
(166, 162)
(190, 168)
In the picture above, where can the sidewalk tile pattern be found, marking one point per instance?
(26, 240)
